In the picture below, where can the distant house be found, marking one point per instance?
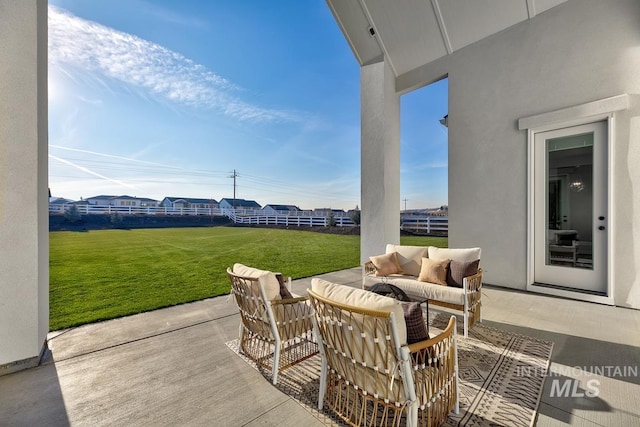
(142, 202)
(328, 211)
(239, 204)
(81, 204)
(60, 201)
(105, 200)
(188, 202)
(281, 209)
(58, 204)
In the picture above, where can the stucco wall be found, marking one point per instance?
(24, 237)
(581, 51)
(380, 160)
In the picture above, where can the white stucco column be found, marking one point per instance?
(24, 220)
(380, 159)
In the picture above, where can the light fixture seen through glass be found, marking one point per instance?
(576, 185)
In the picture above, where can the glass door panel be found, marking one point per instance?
(570, 201)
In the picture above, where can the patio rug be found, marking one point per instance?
(501, 377)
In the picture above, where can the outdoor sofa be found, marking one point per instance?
(449, 278)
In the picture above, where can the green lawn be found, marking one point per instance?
(103, 274)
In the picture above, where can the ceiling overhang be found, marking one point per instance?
(412, 33)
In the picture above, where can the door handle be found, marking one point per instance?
(601, 227)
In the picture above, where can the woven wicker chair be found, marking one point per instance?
(275, 334)
(368, 378)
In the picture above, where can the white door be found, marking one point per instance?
(570, 208)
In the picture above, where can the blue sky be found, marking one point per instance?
(167, 98)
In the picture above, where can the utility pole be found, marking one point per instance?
(405, 205)
(234, 175)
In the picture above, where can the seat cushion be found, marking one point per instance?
(268, 279)
(355, 297)
(409, 257)
(419, 290)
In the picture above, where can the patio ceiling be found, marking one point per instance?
(412, 33)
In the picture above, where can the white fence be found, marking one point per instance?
(133, 210)
(425, 224)
(416, 224)
(239, 216)
(294, 221)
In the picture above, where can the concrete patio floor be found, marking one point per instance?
(172, 367)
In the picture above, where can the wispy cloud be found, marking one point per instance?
(101, 50)
(90, 172)
(130, 159)
(437, 164)
(158, 12)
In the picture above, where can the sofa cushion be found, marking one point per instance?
(469, 254)
(267, 278)
(434, 271)
(422, 290)
(386, 264)
(416, 326)
(458, 270)
(409, 257)
(363, 299)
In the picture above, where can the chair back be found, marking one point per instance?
(360, 347)
(369, 378)
(249, 297)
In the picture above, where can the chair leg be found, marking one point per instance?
(240, 335)
(412, 415)
(466, 323)
(276, 361)
(323, 386)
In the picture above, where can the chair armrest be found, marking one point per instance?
(473, 283)
(289, 300)
(426, 352)
(421, 345)
(293, 316)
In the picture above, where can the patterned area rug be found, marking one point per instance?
(501, 377)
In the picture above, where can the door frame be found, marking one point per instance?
(592, 280)
(567, 293)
